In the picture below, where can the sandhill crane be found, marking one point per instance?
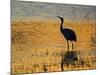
(68, 33)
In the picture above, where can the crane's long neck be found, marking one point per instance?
(61, 26)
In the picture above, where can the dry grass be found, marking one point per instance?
(37, 45)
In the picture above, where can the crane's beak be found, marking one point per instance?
(60, 17)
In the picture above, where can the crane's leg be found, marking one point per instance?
(68, 45)
(72, 45)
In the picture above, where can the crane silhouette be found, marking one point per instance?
(68, 34)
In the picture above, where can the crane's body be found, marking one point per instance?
(69, 34)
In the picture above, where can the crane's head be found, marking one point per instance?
(60, 18)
